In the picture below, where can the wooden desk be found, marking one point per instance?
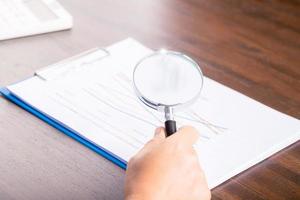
(251, 46)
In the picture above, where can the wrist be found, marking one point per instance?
(137, 197)
(143, 196)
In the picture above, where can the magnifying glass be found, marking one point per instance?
(167, 81)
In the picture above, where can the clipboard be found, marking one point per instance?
(48, 73)
(274, 130)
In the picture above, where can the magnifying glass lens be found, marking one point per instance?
(168, 79)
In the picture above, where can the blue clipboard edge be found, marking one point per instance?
(59, 126)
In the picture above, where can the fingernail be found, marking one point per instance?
(157, 130)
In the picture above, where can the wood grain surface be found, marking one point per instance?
(250, 46)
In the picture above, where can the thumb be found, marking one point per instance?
(159, 136)
(159, 133)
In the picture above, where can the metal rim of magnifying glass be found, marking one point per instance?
(160, 106)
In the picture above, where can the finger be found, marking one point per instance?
(186, 135)
(159, 133)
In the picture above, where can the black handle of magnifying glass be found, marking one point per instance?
(170, 126)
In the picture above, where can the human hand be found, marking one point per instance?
(167, 168)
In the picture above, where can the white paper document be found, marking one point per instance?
(93, 95)
(20, 18)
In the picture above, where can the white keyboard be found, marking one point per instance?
(20, 18)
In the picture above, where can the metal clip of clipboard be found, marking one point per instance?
(70, 64)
